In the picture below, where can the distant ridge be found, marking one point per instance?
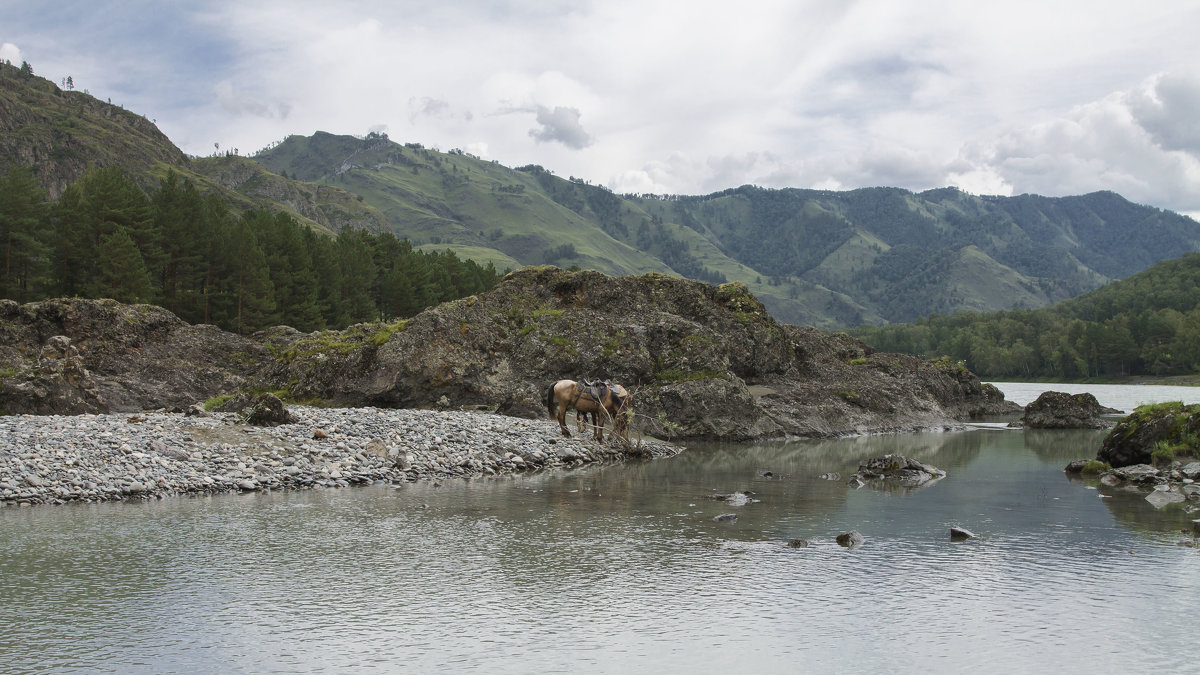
(824, 258)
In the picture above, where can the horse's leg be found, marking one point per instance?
(561, 416)
(562, 419)
(598, 427)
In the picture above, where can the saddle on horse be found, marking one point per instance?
(595, 389)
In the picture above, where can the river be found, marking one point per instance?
(622, 569)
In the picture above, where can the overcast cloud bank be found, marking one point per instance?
(684, 98)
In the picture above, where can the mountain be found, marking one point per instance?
(62, 133)
(831, 259)
(1146, 324)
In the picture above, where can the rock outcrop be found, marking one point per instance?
(1059, 410)
(702, 361)
(77, 356)
(1151, 434)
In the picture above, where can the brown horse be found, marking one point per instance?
(619, 408)
(602, 400)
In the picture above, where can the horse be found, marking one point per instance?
(599, 398)
(619, 412)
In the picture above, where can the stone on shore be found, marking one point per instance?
(91, 458)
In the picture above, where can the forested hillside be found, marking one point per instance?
(907, 255)
(832, 259)
(189, 253)
(59, 133)
(814, 257)
(1148, 324)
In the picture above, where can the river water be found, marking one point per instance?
(623, 569)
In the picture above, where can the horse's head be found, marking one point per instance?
(622, 406)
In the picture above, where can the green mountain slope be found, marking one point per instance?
(527, 216)
(1147, 324)
(60, 134)
(824, 258)
(906, 255)
(831, 259)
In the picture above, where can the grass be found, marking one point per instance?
(677, 375)
(1181, 439)
(343, 342)
(217, 401)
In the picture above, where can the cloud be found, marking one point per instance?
(425, 106)
(243, 103)
(561, 125)
(805, 93)
(1168, 108)
(1143, 143)
(10, 52)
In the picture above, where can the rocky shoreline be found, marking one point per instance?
(57, 459)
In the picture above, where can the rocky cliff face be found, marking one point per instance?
(59, 134)
(93, 356)
(702, 361)
(329, 207)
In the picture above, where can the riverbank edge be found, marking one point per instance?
(56, 459)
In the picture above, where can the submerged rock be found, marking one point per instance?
(735, 498)
(897, 470)
(960, 534)
(1161, 498)
(851, 539)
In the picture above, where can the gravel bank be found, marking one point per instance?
(58, 459)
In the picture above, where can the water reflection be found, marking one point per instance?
(1064, 445)
(617, 568)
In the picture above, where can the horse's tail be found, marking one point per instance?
(551, 404)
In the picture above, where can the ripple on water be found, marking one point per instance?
(606, 570)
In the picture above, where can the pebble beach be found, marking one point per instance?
(57, 459)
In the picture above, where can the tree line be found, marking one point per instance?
(1148, 324)
(188, 252)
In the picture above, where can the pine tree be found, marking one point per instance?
(179, 215)
(356, 267)
(73, 258)
(291, 268)
(25, 236)
(102, 202)
(121, 272)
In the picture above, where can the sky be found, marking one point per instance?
(648, 96)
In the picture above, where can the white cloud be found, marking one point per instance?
(653, 96)
(10, 52)
(1142, 143)
(561, 125)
